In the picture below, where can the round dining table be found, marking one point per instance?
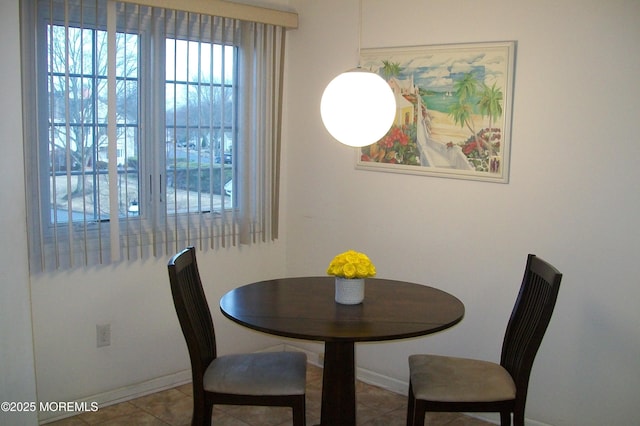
(305, 308)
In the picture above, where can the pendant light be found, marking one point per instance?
(358, 106)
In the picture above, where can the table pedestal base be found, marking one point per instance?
(338, 385)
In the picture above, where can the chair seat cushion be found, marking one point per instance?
(449, 379)
(264, 373)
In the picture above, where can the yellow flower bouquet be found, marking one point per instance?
(351, 264)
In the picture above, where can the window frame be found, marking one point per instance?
(153, 162)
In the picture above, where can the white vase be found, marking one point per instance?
(349, 291)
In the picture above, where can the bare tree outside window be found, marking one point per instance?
(77, 129)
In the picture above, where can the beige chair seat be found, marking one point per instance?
(450, 379)
(265, 373)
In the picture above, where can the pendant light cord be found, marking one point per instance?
(359, 30)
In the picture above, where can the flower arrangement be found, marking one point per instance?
(351, 264)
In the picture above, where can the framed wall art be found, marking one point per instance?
(453, 110)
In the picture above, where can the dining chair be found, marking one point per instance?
(448, 384)
(262, 379)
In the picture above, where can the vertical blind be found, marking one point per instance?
(147, 129)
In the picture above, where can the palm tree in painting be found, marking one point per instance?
(490, 105)
(390, 69)
(466, 90)
(462, 115)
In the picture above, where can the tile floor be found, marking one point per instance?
(376, 407)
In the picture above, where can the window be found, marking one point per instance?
(147, 129)
(199, 123)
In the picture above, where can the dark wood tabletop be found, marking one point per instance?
(305, 308)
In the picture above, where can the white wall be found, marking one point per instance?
(573, 196)
(17, 382)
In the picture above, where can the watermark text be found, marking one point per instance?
(50, 406)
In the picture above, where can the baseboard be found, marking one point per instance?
(125, 393)
(382, 381)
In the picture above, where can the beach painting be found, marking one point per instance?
(453, 110)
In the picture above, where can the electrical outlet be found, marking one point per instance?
(103, 333)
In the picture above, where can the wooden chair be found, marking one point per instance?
(448, 384)
(263, 379)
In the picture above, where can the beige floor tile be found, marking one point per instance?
(171, 406)
(462, 420)
(223, 419)
(107, 413)
(69, 421)
(186, 389)
(264, 416)
(393, 418)
(138, 418)
(373, 396)
(444, 419)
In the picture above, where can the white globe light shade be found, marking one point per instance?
(358, 108)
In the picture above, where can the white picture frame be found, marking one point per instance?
(445, 93)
